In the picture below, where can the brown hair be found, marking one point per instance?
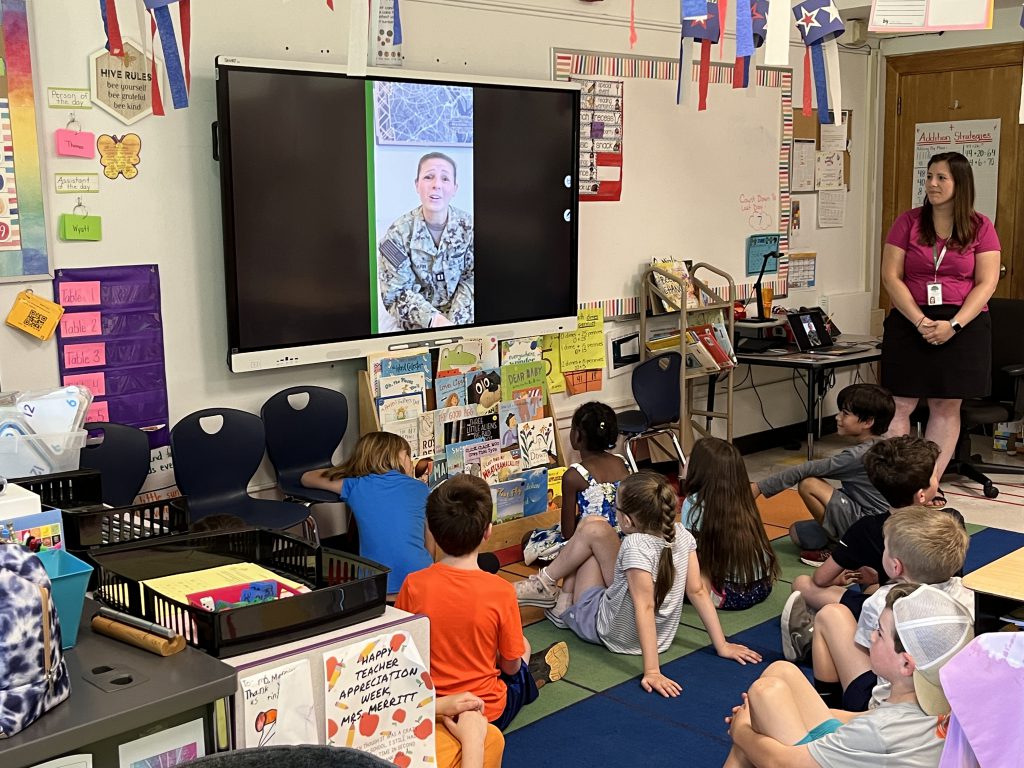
(965, 224)
(900, 467)
(437, 156)
(731, 541)
(376, 453)
(898, 591)
(652, 504)
(458, 513)
(931, 543)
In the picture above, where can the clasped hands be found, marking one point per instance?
(935, 331)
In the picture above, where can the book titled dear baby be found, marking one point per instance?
(524, 380)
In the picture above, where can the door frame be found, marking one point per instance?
(956, 59)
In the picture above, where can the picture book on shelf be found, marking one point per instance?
(475, 427)
(555, 488)
(524, 380)
(464, 355)
(535, 490)
(706, 336)
(508, 500)
(537, 442)
(483, 389)
(512, 414)
(525, 350)
(404, 384)
(473, 455)
(399, 407)
(455, 453)
(427, 431)
(700, 353)
(394, 363)
(407, 428)
(450, 391)
(500, 467)
(434, 467)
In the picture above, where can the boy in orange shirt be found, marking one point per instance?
(476, 636)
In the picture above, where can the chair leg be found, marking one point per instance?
(971, 472)
(630, 459)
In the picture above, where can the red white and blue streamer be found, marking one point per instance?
(820, 26)
(178, 64)
(708, 30)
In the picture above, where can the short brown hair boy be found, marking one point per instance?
(900, 467)
(458, 514)
(930, 543)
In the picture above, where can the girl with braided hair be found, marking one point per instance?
(629, 598)
(739, 565)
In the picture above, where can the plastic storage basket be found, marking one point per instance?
(345, 589)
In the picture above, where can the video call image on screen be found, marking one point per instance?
(813, 340)
(423, 196)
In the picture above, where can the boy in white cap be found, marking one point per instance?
(782, 720)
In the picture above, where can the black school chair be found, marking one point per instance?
(213, 468)
(122, 459)
(655, 385)
(304, 427)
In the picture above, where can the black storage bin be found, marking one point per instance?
(345, 589)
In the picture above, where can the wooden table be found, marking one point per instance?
(998, 589)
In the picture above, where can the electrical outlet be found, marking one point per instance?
(823, 303)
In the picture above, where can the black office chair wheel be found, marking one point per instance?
(990, 491)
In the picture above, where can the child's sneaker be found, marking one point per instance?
(533, 591)
(555, 618)
(551, 664)
(797, 625)
(814, 557)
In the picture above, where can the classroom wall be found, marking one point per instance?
(170, 214)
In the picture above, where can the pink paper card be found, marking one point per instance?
(95, 382)
(85, 355)
(80, 294)
(74, 324)
(75, 143)
(98, 411)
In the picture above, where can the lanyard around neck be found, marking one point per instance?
(938, 256)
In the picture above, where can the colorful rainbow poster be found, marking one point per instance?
(23, 253)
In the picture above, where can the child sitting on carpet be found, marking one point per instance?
(738, 564)
(629, 598)
(923, 545)
(865, 411)
(588, 486)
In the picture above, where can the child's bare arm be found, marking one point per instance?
(701, 600)
(572, 483)
(641, 590)
(314, 478)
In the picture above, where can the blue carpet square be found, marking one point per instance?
(989, 545)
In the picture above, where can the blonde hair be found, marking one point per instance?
(376, 453)
(931, 543)
(652, 505)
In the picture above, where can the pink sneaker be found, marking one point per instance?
(533, 591)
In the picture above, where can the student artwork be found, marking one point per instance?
(708, 30)
(820, 27)
(277, 708)
(750, 35)
(119, 156)
(379, 697)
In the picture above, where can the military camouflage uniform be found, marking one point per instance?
(419, 279)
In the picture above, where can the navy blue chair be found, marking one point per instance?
(122, 459)
(655, 385)
(213, 469)
(304, 427)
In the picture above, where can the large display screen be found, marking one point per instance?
(358, 210)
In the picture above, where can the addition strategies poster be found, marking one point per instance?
(378, 697)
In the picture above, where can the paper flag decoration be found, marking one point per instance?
(708, 30)
(751, 19)
(179, 75)
(111, 27)
(820, 25)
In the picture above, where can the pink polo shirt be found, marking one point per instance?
(956, 273)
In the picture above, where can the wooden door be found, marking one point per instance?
(960, 84)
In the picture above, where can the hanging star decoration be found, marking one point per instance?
(707, 29)
(820, 26)
(751, 19)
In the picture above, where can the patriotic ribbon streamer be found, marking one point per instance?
(685, 66)
(776, 52)
(819, 23)
(158, 102)
(722, 12)
(398, 25)
(744, 43)
(694, 9)
(708, 30)
(330, 4)
(632, 23)
(168, 42)
(111, 27)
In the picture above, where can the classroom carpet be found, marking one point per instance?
(599, 713)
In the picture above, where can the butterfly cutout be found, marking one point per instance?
(119, 156)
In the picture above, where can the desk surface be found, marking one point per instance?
(794, 359)
(169, 686)
(1003, 577)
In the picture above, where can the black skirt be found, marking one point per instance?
(959, 369)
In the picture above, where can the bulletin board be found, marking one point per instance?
(808, 128)
(23, 254)
(694, 184)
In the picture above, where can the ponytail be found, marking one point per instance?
(652, 505)
(668, 503)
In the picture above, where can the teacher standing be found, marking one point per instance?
(940, 266)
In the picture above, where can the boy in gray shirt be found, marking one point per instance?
(783, 721)
(865, 411)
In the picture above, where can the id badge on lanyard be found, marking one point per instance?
(934, 288)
